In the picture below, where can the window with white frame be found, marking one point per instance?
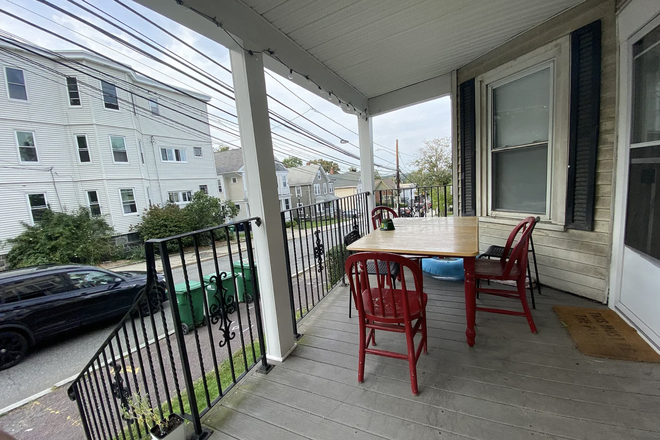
(238, 207)
(234, 180)
(204, 189)
(38, 205)
(220, 186)
(118, 145)
(83, 148)
(325, 188)
(93, 203)
(153, 107)
(318, 175)
(331, 187)
(16, 88)
(173, 155)
(287, 204)
(521, 120)
(74, 93)
(179, 196)
(27, 147)
(128, 201)
(317, 189)
(110, 99)
(299, 204)
(284, 182)
(198, 152)
(298, 191)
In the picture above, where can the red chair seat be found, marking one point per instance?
(494, 269)
(389, 312)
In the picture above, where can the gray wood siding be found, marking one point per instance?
(571, 260)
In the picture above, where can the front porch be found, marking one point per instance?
(511, 385)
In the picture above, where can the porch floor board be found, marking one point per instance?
(511, 385)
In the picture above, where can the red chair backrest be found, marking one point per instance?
(518, 256)
(393, 311)
(379, 213)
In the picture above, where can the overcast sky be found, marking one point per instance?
(411, 126)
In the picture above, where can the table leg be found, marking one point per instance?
(470, 299)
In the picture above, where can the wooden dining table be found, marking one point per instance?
(432, 237)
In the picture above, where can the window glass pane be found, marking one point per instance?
(74, 95)
(16, 84)
(37, 205)
(197, 151)
(109, 95)
(25, 138)
(646, 89)
(521, 111)
(153, 106)
(15, 76)
(83, 151)
(643, 211)
(117, 143)
(520, 180)
(26, 147)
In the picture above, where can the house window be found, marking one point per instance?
(128, 201)
(180, 196)
(318, 175)
(83, 149)
(220, 186)
(204, 189)
(298, 205)
(173, 155)
(93, 203)
(234, 180)
(521, 116)
(198, 152)
(153, 106)
(287, 203)
(109, 96)
(38, 205)
(27, 149)
(317, 189)
(16, 84)
(74, 93)
(283, 181)
(118, 144)
(238, 207)
(298, 191)
(331, 187)
(325, 188)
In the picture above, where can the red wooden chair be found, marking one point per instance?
(379, 213)
(513, 268)
(381, 307)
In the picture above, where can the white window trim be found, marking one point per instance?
(200, 156)
(173, 149)
(299, 205)
(284, 182)
(325, 187)
(89, 203)
(180, 193)
(103, 98)
(556, 53)
(27, 199)
(141, 153)
(121, 203)
(18, 147)
(128, 159)
(153, 102)
(317, 186)
(27, 94)
(234, 180)
(318, 174)
(331, 187)
(298, 191)
(68, 97)
(75, 140)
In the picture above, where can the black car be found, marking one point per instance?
(39, 302)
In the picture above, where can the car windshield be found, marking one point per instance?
(89, 278)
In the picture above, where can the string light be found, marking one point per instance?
(346, 107)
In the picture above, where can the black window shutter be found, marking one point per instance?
(585, 120)
(468, 138)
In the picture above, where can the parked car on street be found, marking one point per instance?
(40, 302)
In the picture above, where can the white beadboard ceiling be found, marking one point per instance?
(378, 46)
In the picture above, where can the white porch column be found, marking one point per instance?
(366, 135)
(254, 125)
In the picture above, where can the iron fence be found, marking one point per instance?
(421, 201)
(315, 251)
(188, 339)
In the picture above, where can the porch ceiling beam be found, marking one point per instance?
(410, 95)
(258, 34)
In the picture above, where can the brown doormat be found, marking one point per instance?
(602, 333)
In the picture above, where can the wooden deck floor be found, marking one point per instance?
(511, 385)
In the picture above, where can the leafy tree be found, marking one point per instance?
(326, 164)
(221, 149)
(63, 238)
(434, 168)
(352, 169)
(377, 174)
(206, 211)
(292, 162)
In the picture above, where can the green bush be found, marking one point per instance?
(335, 263)
(63, 238)
(290, 224)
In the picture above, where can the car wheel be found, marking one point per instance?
(13, 348)
(154, 302)
(185, 329)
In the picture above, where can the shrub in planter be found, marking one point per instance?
(335, 263)
(140, 410)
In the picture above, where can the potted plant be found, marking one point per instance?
(140, 409)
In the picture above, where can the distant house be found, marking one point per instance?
(232, 185)
(384, 191)
(311, 184)
(346, 184)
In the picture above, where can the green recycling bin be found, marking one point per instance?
(227, 283)
(245, 288)
(184, 305)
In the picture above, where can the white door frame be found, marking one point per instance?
(633, 22)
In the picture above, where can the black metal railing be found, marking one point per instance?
(422, 201)
(210, 282)
(315, 251)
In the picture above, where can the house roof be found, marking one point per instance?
(387, 183)
(231, 161)
(349, 179)
(304, 175)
